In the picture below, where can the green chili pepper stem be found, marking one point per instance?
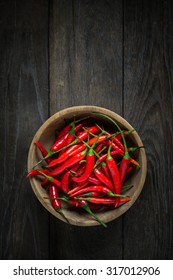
(49, 154)
(126, 154)
(50, 178)
(126, 188)
(134, 149)
(72, 131)
(91, 151)
(109, 152)
(87, 209)
(79, 120)
(62, 214)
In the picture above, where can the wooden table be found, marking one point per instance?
(60, 53)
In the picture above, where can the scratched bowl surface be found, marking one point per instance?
(46, 134)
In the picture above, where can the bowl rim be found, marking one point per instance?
(78, 110)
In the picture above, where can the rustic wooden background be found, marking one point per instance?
(59, 53)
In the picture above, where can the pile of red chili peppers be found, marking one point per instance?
(87, 166)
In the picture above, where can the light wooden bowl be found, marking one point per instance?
(45, 135)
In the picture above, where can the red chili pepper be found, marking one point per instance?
(101, 189)
(94, 180)
(43, 151)
(73, 150)
(91, 194)
(90, 159)
(63, 131)
(54, 181)
(114, 139)
(68, 163)
(104, 156)
(80, 170)
(44, 183)
(65, 181)
(115, 146)
(103, 200)
(99, 147)
(58, 144)
(99, 140)
(103, 179)
(53, 194)
(35, 172)
(84, 135)
(105, 170)
(112, 166)
(71, 127)
(77, 188)
(100, 200)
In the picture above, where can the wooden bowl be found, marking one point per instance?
(45, 135)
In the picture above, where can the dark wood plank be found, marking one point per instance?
(148, 46)
(24, 107)
(86, 54)
(86, 69)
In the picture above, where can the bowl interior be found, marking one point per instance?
(46, 135)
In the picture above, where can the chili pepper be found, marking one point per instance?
(115, 146)
(103, 200)
(35, 172)
(100, 200)
(99, 147)
(72, 134)
(58, 144)
(112, 166)
(101, 189)
(99, 140)
(84, 135)
(103, 179)
(63, 131)
(54, 181)
(104, 156)
(73, 169)
(125, 199)
(73, 150)
(68, 163)
(94, 180)
(56, 203)
(90, 194)
(44, 182)
(94, 207)
(80, 170)
(105, 170)
(68, 127)
(53, 193)
(114, 139)
(89, 167)
(77, 188)
(43, 151)
(65, 181)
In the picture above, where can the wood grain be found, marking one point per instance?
(24, 97)
(86, 69)
(148, 38)
(86, 54)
